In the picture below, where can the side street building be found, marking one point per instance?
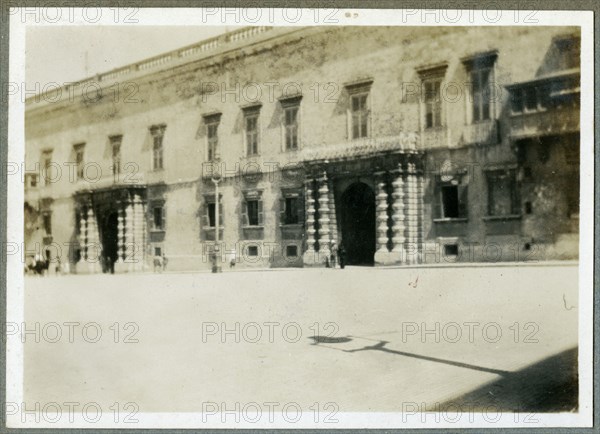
(405, 145)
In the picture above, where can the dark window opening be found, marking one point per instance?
(291, 210)
(157, 218)
(291, 251)
(450, 249)
(252, 250)
(252, 209)
(450, 203)
(211, 214)
(47, 222)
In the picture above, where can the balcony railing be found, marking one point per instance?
(482, 133)
(435, 138)
(361, 147)
(548, 122)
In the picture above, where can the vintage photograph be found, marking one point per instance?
(298, 225)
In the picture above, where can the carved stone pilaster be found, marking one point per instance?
(382, 254)
(398, 217)
(129, 236)
(94, 248)
(412, 214)
(332, 215)
(138, 233)
(310, 253)
(324, 220)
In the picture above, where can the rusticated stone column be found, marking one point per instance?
(138, 233)
(121, 248)
(420, 211)
(81, 266)
(310, 253)
(332, 215)
(412, 214)
(382, 256)
(324, 221)
(94, 248)
(129, 236)
(398, 217)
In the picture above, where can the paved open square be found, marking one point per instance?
(359, 339)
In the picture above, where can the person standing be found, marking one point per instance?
(333, 256)
(342, 256)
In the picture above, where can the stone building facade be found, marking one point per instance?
(405, 145)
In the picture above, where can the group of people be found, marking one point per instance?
(338, 254)
(160, 263)
(39, 265)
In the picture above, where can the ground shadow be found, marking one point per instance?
(548, 386)
(329, 340)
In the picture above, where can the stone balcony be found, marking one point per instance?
(480, 133)
(542, 123)
(434, 138)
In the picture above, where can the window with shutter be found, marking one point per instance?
(503, 195)
(245, 220)
(453, 198)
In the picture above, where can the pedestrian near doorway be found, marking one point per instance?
(342, 256)
(333, 256)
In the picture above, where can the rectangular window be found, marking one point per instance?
(158, 132)
(253, 250)
(251, 131)
(211, 215)
(252, 209)
(115, 143)
(47, 221)
(450, 201)
(433, 102)
(157, 251)
(516, 101)
(503, 197)
(450, 249)
(360, 115)
(453, 201)
(47, 171)
(481, 94)
(291, 210)
(158, 218)
(291, 127)
(252, 214)
(212, 139)
(79, 150)
(291, 251)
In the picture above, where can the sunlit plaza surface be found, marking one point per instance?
(364, 339)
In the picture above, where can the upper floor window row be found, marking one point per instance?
(479, 90)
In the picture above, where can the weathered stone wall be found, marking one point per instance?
(320, 61)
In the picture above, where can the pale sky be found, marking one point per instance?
(57, 53)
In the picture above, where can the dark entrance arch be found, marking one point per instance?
(109, 234)
(358, 224)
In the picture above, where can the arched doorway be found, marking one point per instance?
(358, 224)
(110, 242)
